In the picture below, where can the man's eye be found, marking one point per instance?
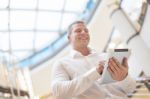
(78, 31)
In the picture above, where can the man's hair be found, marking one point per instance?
(70, 26)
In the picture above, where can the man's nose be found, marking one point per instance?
(83, 32)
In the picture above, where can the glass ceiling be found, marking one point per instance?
(28, 26)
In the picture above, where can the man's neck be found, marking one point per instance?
(84, 50)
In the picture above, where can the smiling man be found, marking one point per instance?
(77, 75)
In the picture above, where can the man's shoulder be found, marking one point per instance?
(61, 62)
(62, 59)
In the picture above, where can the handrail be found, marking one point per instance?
(144, 9)
(141, 19)
(15, 91)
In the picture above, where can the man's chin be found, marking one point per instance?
(84, 44)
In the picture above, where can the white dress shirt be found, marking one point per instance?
(75, 77)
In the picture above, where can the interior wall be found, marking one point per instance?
(101, 26)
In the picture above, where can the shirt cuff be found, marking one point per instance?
(128, 85)
(127, 81)
(93, 74)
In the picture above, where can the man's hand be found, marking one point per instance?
(100, 67)
(118, 71)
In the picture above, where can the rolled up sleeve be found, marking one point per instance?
(127, 85)
(63, 86)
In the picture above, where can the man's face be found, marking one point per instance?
(79, 35)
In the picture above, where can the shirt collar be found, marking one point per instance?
(74, 53)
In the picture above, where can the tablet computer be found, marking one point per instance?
(119, 54)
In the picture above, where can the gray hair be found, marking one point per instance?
(70, 26)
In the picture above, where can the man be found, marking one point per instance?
(77, 76)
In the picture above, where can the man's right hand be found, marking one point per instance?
(100, 67)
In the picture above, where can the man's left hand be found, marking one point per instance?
(118, 71)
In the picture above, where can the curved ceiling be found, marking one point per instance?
(28, 26)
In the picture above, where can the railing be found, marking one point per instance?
(140, 21)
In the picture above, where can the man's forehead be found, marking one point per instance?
(78, 25)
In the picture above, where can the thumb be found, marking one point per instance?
(125, 62)
(102, 62)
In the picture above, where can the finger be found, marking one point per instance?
(116, 61)
(125, 62)
(102, 62)
(101, 68)
(101, 65)
(111, 67)
(111, 72)
(113, 64)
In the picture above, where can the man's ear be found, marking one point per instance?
(68, 38)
